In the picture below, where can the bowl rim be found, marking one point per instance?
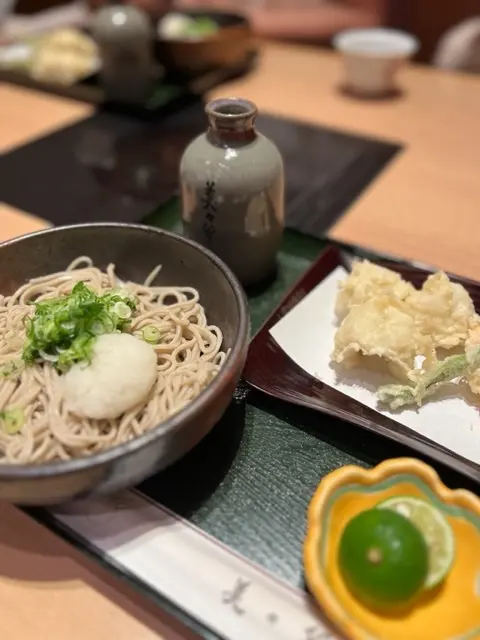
(401, 44)
(178, 420)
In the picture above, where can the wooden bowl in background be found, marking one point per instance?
(230, 45)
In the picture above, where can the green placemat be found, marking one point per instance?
(249, 482)
(296, 255)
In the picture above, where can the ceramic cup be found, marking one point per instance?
(372, 58)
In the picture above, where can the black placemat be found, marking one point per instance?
(115, 167)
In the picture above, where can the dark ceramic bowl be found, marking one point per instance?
(229, 46)
(135, 250)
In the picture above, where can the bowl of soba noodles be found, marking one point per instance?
(120, 348)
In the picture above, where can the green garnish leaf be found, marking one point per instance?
(63, 330)
(12, 420)
(151, 335)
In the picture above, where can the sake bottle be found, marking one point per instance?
(232, 186)
(125, 38)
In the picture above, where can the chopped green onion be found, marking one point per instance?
(62, 330)
(13, 420)
(49, 357)
(97, 328)
(151, 334)
(11, 369)
(122, 310)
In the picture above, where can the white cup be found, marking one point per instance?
(372, 58)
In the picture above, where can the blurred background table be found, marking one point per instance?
(423, 207)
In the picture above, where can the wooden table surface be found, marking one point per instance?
(424, 206)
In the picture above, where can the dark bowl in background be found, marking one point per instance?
(135, 250)
(229, 46)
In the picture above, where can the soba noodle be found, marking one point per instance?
(189, 356)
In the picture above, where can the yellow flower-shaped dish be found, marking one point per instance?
(450, 612)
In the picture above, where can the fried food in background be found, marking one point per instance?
(63, 57)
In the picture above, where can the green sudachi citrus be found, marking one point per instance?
(383, 558)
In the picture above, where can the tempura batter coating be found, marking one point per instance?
(473, 340)
(367, 281)
(382, 327)
(442, 310)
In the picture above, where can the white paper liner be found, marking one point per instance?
(306, 333)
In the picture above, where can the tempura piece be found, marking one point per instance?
(71, 39)
(397, 396)
(472, 343)
(383, 327)
(63, 57)
(442, 310)
(367, 281)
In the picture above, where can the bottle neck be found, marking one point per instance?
(222, 135)
(231, 122)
